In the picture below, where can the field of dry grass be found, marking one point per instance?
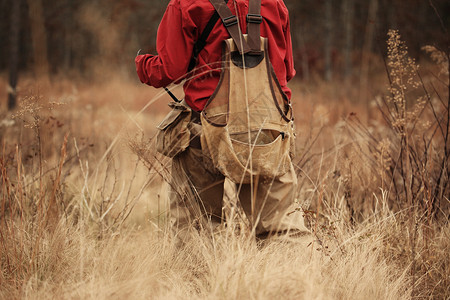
(83, 214)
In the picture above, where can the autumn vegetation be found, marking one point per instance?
(83, 198)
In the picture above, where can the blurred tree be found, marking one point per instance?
(68, 36)
(367, 47)
(39, 39)
(348, 17)
(328, 39)
(14, 53)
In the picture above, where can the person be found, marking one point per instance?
(199, 191)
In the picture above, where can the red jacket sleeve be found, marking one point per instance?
(175, 42)
(289, 59)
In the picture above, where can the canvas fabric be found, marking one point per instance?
(247, 138)
(247, 123)
(173, 134)
(199, 192)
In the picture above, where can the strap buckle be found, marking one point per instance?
(253, 18)
(230, 21)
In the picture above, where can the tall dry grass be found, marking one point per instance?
(82, 216)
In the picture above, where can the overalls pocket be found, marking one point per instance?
(173, 135)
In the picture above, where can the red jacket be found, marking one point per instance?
(183, 23)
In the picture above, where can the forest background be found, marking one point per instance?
(331, 39)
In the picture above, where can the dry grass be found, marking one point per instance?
(83, 217)
(74, 263)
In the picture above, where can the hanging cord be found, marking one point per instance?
(172, 95)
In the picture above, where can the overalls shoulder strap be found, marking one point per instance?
(254, 20)
(230, 22)
(201, 42)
